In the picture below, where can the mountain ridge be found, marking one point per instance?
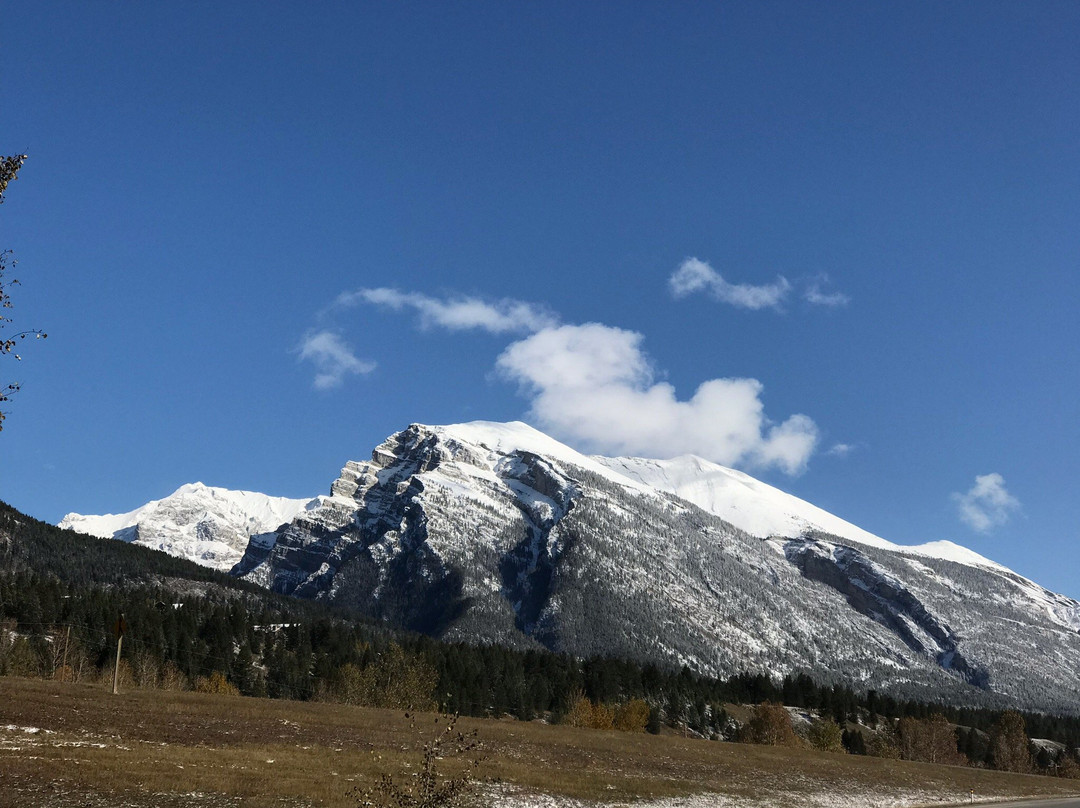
(497, 533)
(789, 515)
(205, 524)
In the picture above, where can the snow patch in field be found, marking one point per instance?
(27, 730)
(827, 795)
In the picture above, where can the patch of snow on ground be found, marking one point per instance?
(28, 730)
(828, 796)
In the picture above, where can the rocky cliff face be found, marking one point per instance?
(497, 533)
(374, 545)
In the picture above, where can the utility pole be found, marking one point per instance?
(121, 627)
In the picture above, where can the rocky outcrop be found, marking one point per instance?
(873, 592)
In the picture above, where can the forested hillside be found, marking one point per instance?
(30, 545)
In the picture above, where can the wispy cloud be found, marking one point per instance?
(694, 275)
(457, 313)
(593, 385)
(815, 294)
(840, 450)
(988, 504)
(332, 357)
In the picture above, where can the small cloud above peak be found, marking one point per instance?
(458, 313)
(987, 504)
(695, 275)
(332, 357)
(816, 295)
(593, 385)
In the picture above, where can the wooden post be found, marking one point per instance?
(67, 641)
(116, 670)
(121, 627)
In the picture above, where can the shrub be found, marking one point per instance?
(584, 713)
(395, 680)
(172, 678)
(22, 659)
(633, 716)
(826, 736)
(216, 683)
(1009, 743)
(769, 725)
(931, 740)
(884, 744)
(429, 786)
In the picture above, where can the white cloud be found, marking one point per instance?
(333, 359)
(694, 275)
(814, 294)
(840, 450)
(988, 504)
(460, 313)
(592, 384)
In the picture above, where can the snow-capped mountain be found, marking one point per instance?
(211, 526)
(762, 510)
(498, 533)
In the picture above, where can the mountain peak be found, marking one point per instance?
(208, 525)
(497, 533)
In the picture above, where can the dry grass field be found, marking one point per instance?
(78, 746)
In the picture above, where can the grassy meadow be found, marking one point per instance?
(78, 745)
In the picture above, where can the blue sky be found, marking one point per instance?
(264, 236)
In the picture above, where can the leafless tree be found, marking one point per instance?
(9, 172)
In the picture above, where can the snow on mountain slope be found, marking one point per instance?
(505, 438)
(210, 526)
(762, 510)
(736, 497)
